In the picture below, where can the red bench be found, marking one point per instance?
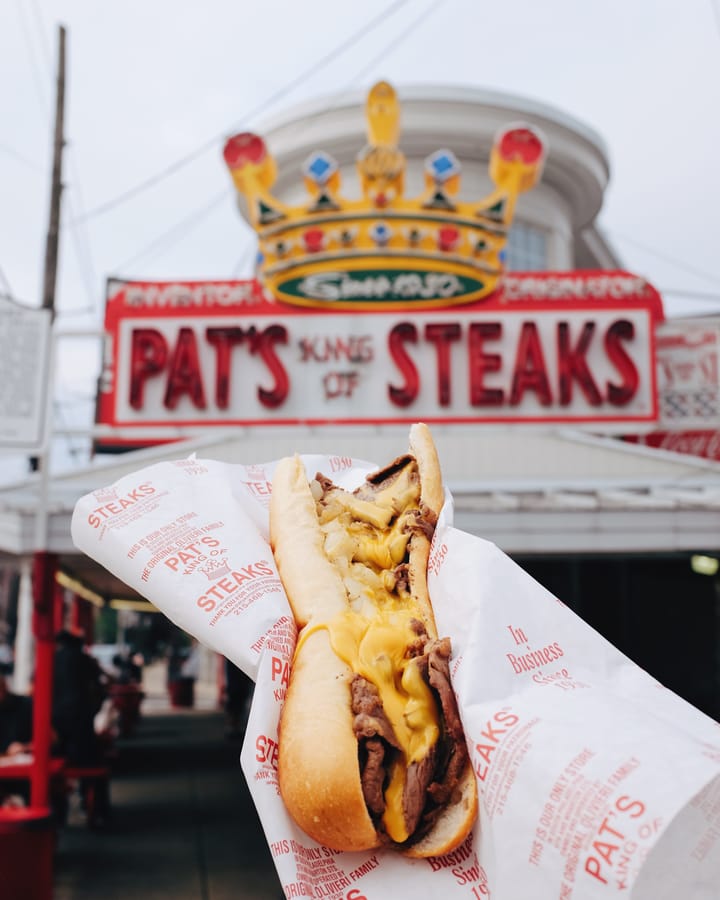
(94, 782)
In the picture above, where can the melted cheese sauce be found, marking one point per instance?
(366, 541)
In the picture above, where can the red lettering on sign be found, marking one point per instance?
(263, 343)
(402, 333)
(530, 372)
(519, 364)
(148, 355)
(152, 357)
(481, 362)
(441, 334)
(185, 376)
(621, 394)
(572, 364)
(223, 340)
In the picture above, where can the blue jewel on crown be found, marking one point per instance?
(319, 167)
(380, 233)
(442, 165)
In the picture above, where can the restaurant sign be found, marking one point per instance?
(563, 347)
(688, 374)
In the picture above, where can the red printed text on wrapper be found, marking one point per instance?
(465, 867)
(619, 844)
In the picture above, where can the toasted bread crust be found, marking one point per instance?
(318, 757)
(422, 447)
(312, 584)
(318, 765)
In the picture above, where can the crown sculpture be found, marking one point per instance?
(384, 248)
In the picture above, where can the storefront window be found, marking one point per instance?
(526, 249)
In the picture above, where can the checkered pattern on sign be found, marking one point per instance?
(700, 404)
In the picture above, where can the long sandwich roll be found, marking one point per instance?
(372, 750)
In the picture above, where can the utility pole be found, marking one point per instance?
(44, 588)
(53, 234)
(52, 240)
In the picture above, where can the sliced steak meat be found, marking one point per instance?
(373, 776)
(402, 578)
(376, 742)
(385, 476)
(431, 781)
(452, 750)
(418, 780)
(369, 716)
(440, 792)
(438, 653)
(325, 483)
(422, 521)
(417, 646)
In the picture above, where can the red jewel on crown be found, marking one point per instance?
(314, 239)
(521, 144)
(244, 148)
(448, 237)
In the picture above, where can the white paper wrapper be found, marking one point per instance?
(595, 781)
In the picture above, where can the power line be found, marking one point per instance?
(667, 258)
(80, 311)
(34, 65)
(282, 92)
(396, 41)
(58, 411)
(413, 26)
(19, 157)
(181, 229)
(244, 260)
(81, 236)
(40, 29)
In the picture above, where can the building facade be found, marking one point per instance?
(610, 527)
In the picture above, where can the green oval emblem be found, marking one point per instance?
(379, 286)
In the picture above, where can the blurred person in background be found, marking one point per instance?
(183, 672)
(15, 721)
(79, 690)
(78, 693)
(15, 742)
(127, 669)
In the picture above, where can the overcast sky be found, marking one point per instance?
(154, 87)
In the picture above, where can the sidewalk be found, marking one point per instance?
(183, 824)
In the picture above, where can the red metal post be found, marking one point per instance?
(44, 594)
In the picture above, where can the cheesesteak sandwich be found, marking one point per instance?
(372, 750)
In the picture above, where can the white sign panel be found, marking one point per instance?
(24, 358)
(688, 357)
(450, 366)
(219, 354)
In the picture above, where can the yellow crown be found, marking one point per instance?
(384, 248)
